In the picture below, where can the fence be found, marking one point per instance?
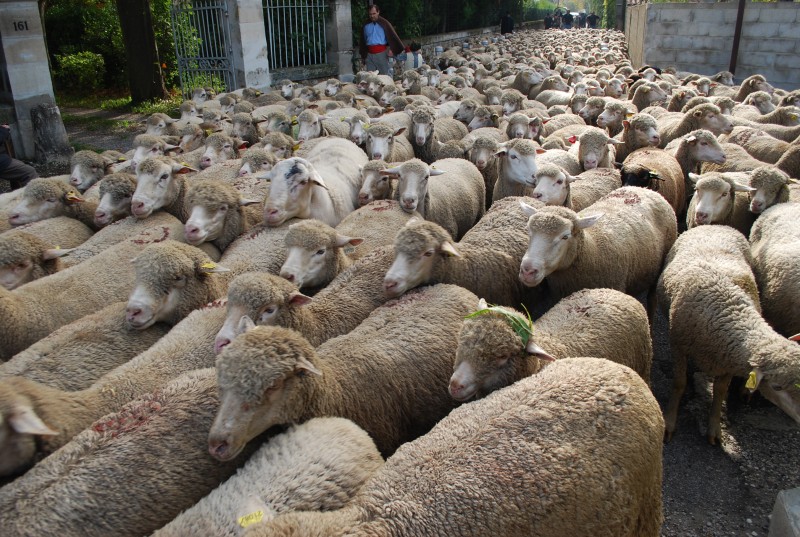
(296, 32)
(203, 45)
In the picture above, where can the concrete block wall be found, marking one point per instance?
(699, 38)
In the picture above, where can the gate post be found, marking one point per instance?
(249, 43)
(26, 78)
(340, 34)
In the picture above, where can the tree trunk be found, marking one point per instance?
(144, 67)
(50, 140)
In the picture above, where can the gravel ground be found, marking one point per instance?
(709, 491)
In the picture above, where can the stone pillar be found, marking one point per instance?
(26, 67)
(340, 37)
(249, 42)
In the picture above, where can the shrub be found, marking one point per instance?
(81, 71)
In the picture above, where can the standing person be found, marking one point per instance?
(377, 38)
(507, 24)
(567, 19)
(592, 20)
(12, 170)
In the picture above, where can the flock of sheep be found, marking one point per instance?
(227, 329)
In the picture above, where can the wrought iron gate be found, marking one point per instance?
(295, 32)
(203, 45)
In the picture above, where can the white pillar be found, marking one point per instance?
(340, 36)
(249, 43)
(26, 67)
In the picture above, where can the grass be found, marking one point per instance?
(117, 101)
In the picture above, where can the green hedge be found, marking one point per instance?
(82, 71)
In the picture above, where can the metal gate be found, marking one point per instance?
(295, 32)
(203, 45)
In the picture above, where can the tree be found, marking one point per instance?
(145, 79)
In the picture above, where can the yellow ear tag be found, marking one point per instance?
(295, 147)
(185, 164)
(208, 265)
(751, 381)
(73, 196)
(252, 518)
(365, 126)
(208, 132)
(121, 159)
(58, 247)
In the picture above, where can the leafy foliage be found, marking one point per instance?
(522, 327)
(82, 71)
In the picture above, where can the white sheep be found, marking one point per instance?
(384, 142)
(455, 201)
(44, 198)
(315, 253)
(775, 254)
(594, 149)
(640, 131)
(88, 167)
(317, 465)
(374, 186)
(425, 253)
(492, 354)
(365, 375)
(29, 253)
(324, 185)
(707, 282)
(705, 116)
(217, 214)
(771, 187)
(575, 450)
(313, 125)
(160, 185)
(602, 245)
(426, 127)
(554, 186)
(116, 191)
(719, 200)
(517, 167)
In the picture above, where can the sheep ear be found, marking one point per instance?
(535, 350)
(435, 171)
(570, 178)
(588, 221)
(540, 151)
(449, 250)
(54, 253)
(296, 298)
(795, 337)
(754, 379)
(693, 177)
(626, 124)
(209, 267)
(390, 171)
(342, 240)
(245, 202)
(413, 220)
(180, 167)
(119, 166)
(245, 325)
(529, 210)
(24, 420)
(303, 366)
(399, 131)
(571, 139)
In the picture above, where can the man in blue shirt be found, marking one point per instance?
(377, 38)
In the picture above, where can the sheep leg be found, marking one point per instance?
(652, 304)
(678, 387)
(721, 384)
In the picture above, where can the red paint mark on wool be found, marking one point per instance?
(129, 419)
(579, 310)
(148, 237)
(216, 304)
(629, 198)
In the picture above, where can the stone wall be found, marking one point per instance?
(699, 38)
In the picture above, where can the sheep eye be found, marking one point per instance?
(51, 200)
(776, 387)
(320, 251)
(724, 194)
(428, 253)
(163, 177)
(269, 310)
(223, 208)
(565, 237)
(513, 156)
(560, 182)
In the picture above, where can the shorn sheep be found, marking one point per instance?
(324, 185)
(583, 417)
(707, 282)
(455, 201)
(491, 354)
(272, 375)
(602, 246)
(316, 466)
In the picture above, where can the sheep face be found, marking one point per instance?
(387, 94)
(770, 186)
(219, 148)
(156, 186)
(312, 249)
(188, 111)
(116, 192)
(201, 95)
(280, 148)
(421, 132)
(42, 199)
(412, 186)
(466, 111)
(374, 187)
(704, 148)
(419, 247)
(87, 169)
(380, 147)
(192, 141)
(309, 126)
(644, 133)
(206, 222)
(358, 131)
(715, 198)
(482, 155)
(157, 124)
(553, 234)
(483, 118)
(518, 163)
(552, 188)
(292, 182)
(243, 129)
(256, 161)
(18, 425)
(611, 118)
(262, 377)
(24, 258)
(332, 87)
(147, 148)
(308, 94)
(590, 111)
(278, 123)
(286, 88)
(615, 88)
(780, 388)
(713, 121)
(511, 103)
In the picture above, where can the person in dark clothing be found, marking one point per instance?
(377, 38)
(17, 173)
(506, 24)
(592, 20)
(567, 19)
(548, 22)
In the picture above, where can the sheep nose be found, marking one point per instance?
(363, 199)
(700, 217)
(287, 276)
(377, 156)
(529, 272)
(390, 286)
(219, 449)
(537, 195)
(455, 388)
(480, 163)
(220, 343)
(191, 231)
(74, 181)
